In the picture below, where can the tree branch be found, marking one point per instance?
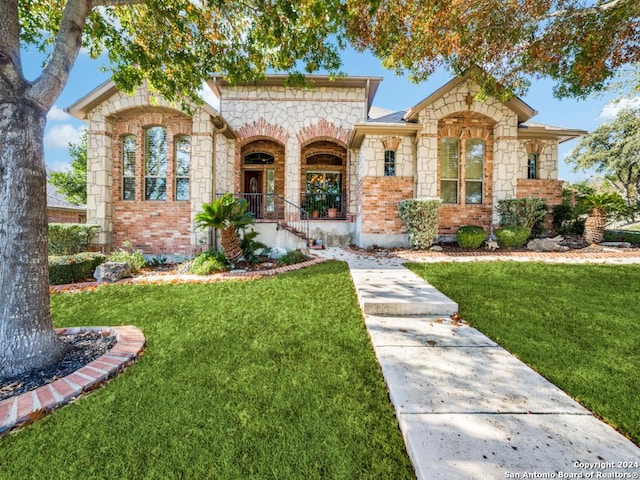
(11, 78)
(49, 84)
(114, 3)
(583, 12)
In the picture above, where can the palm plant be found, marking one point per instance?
(599, 205)
(228, 214)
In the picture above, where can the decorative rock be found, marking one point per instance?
(546, 245)
(616, 244)
(436, 248)
(112, 272)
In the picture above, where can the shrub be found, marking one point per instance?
(209, 262)
(129, 255)
(512, 237)
(622, 236)
(470, 236)
(70, 238)
(521, 212)
(292, 257)
(250, 246)
(420, 217)
(73, 268)
(567, 221)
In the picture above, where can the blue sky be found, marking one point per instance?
(394, 93)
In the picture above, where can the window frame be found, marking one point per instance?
(389, 163)
(532, 174)
(126, 159)
(161, 166)
(177, 176)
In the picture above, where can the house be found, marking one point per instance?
(319, 162)
(61, 211)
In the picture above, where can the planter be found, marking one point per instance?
(332, 212)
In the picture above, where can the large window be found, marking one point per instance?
(182, 166)
(155, 180)
(129, 167)
(532, 166)
(473, 151)
(389, 163)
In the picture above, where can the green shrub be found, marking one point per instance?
(292, 257)
(73, 268)
(129, 255)
(250, 246)
(521, 212)
(70, 238)
(622, 236)
(209, 262)
(470, 236)
(420, 217)
(512, 237)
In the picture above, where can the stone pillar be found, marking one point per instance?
(202, 173)
(100, 178)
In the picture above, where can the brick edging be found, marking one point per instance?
(24, 409)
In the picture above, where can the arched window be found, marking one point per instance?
(155, 164)
(259, 158)
(182, 154)
(324, 159)
(129, 167)
(389, 163)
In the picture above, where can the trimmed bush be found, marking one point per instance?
(512, 237)
(70, 238)
(521, 212)
(73, 268)
(209, 262)
(470, 236)
(622, 236)
(292, 257)
(420, 217)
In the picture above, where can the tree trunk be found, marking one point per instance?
(230, 244)
(27, 338)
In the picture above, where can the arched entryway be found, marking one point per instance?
(262, 177)
(324, 180)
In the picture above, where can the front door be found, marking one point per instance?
(253, 191)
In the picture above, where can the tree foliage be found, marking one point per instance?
(73, 183)
(579, 44)
(613, 149)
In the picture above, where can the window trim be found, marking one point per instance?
(164, 161)
(535, 162)
(389, 163)
(176, 140)
(125, 177)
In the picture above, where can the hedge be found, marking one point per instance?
(70, 238)
(470, 236)
(420, 217)
(73, 268)
(512, 237)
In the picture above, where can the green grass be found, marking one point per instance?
(578, 325)
(271, 378)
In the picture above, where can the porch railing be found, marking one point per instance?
(325, 206)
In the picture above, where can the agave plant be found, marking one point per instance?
(599, 205)
(228, 214)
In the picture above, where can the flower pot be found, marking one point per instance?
(332, 212)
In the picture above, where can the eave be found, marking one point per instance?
(360, 130)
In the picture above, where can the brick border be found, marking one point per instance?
(25, 409)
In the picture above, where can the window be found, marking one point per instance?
(449, 163)
(389, 163)
(129, 167)
(532, 166)
(182, 166)
(324, 159)
(259, 158)
(271, 190)
(451, 167)
(474, 166)
(155, 181)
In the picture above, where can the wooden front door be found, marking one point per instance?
(253, 191)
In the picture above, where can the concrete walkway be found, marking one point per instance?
(466, 407)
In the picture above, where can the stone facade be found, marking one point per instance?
(270, 140)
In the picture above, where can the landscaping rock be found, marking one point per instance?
(436, 248)
(112, 272)
(547, 245)
(616, 244)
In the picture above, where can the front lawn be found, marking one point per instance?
(271, 378)
(578, 325)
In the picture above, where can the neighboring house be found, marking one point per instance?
(151, 166)
(61, 211)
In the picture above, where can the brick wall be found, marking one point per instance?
(452, 217)
(65, 216)
(550, 190)
(378, 199)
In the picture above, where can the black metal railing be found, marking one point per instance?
(324, 206)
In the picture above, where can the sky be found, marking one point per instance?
(394, 93)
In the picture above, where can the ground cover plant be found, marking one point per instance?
(575, 324)
(272, 378)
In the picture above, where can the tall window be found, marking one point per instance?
(155, 180)
(452, 150)
(182, 166)
(449, 166)
(389, 163)
(474, 166)
(532, 166)
(129, 167)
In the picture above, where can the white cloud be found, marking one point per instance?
(58, 166)
(613, 108)
(58, 114)
(59, 136)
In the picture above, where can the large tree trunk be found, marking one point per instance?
(27, 338)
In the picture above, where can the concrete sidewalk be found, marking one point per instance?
(466, 407)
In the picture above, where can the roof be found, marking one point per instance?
(540, 130)
(520, 108)
(56, 200)
(370, 84)
(81, 107)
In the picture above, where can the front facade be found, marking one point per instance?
(314, 159)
